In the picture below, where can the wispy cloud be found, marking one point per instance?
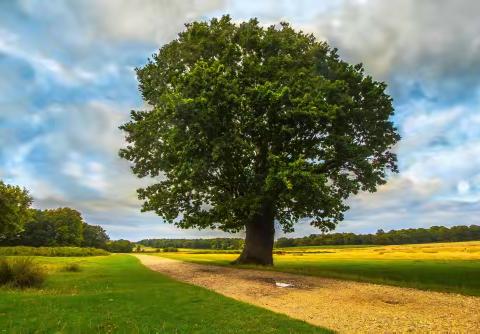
(67, 83)
(433, 45)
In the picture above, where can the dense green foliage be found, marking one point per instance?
(22, 225)
(393, 237)
(120, 246)
(58, 227)
(50, 251)
(251, 125)
(94, 236)
(14, 209)
(214, 243)
(118, 295)
(21, 272)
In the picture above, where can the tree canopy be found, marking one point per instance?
(250, 125)
(94, 236)
(60, 227)
(22, 225)
(120, 246)
(14, 209)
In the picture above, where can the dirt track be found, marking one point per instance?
(344, 306)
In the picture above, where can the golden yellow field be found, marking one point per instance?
(438, 266)
(469, 250)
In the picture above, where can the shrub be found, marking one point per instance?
(5, 271)
(170, 249)
(21, 272)
(51, 251)
(120, 246)
(72, 267)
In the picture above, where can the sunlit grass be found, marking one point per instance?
(452, 267)
(51, 251)
(116, 294)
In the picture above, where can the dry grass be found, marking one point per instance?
(72, 267)
(446, 267)
(21, 272)
(469, 250)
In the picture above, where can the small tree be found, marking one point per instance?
(39, 231)
(94, 236)
(14, 210)
(120, 246)
(252, 125)
(68, 226)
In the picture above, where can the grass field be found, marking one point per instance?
(116, 294)
(451, 267)
(51, 251)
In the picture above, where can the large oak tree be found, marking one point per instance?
(251, 126)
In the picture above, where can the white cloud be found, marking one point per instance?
(79, 148)
(150, 21)
(463, 187)
(64, 147)
(432, 41)
(11, 45)
(90, 174)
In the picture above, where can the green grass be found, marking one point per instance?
(460, 276)
(446, 275)
(116, 294)
(51, 251)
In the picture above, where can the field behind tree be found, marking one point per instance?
(450, 267)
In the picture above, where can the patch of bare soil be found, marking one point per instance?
(344, 306)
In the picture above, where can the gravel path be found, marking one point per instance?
(344, 306)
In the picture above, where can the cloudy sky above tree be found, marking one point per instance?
(67, 83)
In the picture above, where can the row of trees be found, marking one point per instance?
(14, 210)
(393, 237)
(58, 227)
(217, 243)
(22, 225)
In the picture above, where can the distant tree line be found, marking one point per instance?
(393, 237)
(120, 246)
(217, 243)
(22, 225)
(58, 227)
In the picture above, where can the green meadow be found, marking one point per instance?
(116, 294)
(447, 267)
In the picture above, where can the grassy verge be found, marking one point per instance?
(443, 267)
(51, 251)
(116, 294)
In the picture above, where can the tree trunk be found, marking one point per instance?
(259, 240)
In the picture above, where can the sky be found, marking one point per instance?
(67, 82)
